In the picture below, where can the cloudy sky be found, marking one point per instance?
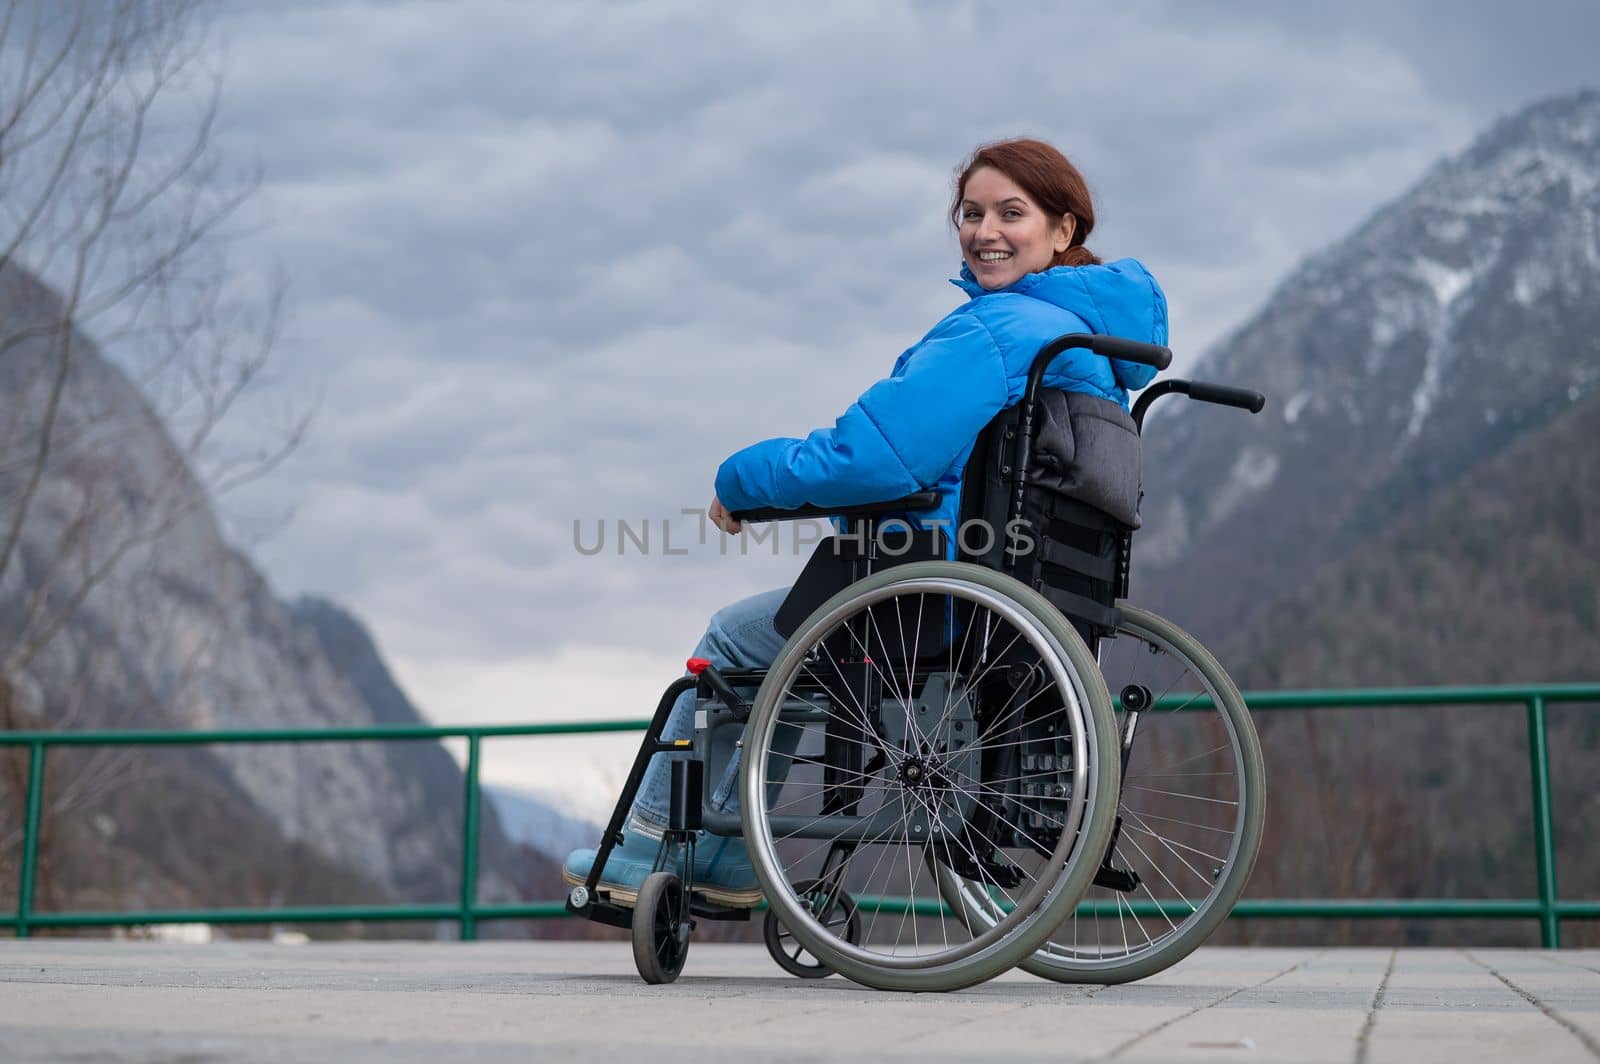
(550, 263)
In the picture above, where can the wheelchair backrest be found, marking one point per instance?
(1069, 534)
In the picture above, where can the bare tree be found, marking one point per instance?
(114, 204)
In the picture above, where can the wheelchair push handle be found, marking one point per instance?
(1130, 350)
(1223, 395)
(1106, 346)
(1204, 391)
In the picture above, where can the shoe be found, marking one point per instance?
(722, 871)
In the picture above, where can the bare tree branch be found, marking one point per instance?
(113, 208)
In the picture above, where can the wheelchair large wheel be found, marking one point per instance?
(1189, 819)
(889, 736)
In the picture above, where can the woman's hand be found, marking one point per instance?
(722, 518)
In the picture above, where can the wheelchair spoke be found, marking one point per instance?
(911, 661)
(935, 815)
(1171, 927)
(1163, 873)
(1183, 806)
(1099, 944)
(1179, 794)
(803, 799)
(867, 656)
(887, 851)
(1191, 758)
(821, 762)
(867, 935)
(978, 679)
(995, 781)
(1181, 707)
(802, 858)
(862, 717)
(861, 714)
(1123, 901)
(988, 737)
(976, 787)
(1173, 820)
(1197, 873)
(987, 884)
(1061, 950)
(916, 756)
(1120, 925)
(1009, 824)
(1178, 775)
(911, 890)
(1012, 742)
(1145, 830)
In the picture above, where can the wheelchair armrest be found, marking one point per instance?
(922, 500)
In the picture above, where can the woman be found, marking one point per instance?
(1022, 213)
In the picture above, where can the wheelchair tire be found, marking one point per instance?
(660, 945)
(1195, 850)
(834, 907)
(938, 782)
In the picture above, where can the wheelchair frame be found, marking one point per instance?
(668, 904)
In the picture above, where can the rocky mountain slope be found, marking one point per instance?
(1457, 318)
(175, 629)
(1418, 504)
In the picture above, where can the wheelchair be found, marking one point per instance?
(935, 781)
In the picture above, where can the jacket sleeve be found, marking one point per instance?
(899, 437)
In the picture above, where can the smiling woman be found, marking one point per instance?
(1022, 213)
(1021, 208)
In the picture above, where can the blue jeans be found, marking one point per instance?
(739, 636)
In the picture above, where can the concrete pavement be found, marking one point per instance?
(80, 1001)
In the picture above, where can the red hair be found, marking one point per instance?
(1049, 180)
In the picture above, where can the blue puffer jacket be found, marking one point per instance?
(915, 429)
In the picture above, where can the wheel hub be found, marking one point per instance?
(915, 772)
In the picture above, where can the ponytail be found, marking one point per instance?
(1076, 256)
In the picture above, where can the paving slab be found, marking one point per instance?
(75, 1000)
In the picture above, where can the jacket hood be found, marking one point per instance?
(1118, 298)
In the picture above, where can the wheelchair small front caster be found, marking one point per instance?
(833, 907)
(661, 926)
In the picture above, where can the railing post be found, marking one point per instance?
(30, 836)
(469, 844)
(1543, 828)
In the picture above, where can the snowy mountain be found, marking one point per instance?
(1457, 318)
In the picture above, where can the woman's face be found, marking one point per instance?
(1004, 234)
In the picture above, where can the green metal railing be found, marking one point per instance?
(468, 912)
